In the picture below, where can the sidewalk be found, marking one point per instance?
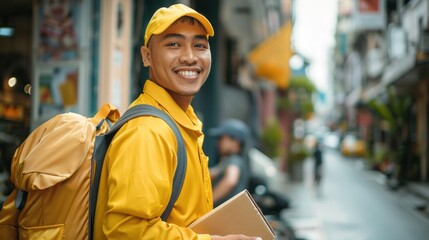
(419, 189)
(302, 214)
(419, 193)
(415, 194)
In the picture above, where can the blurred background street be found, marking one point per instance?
(350, 74)
(352, 203)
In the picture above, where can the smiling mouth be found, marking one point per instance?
(188, 73)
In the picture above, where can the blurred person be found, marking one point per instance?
(318, 161)
(231, 174)
(137, 175)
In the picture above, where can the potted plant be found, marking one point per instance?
(297, 154)
(271, 139)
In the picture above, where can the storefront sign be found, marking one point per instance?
(369, 14)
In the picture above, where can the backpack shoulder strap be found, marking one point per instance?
(179, 175)
(102, 143)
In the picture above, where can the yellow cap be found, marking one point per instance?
(164, 17)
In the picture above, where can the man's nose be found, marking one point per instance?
(188, 55)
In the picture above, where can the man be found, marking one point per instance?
(137, 175)
(318, 161)
(232, 173)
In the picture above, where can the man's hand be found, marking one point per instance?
(234, 237)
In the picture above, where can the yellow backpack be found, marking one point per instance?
(56, 173)
(51, 173)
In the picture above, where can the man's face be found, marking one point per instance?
(179, 58)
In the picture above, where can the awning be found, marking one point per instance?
(271, 58)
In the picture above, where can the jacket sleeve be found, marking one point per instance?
(141, 164)
(9, 218)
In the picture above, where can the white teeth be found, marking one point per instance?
(188, 73)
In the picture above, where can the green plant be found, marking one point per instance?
(283, 103)
(271, 138)
(298, 151)
(302, 89)
(396, 112)
(302, 82)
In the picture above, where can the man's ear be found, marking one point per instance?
(145, 52)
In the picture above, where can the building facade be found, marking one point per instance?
(381, 80)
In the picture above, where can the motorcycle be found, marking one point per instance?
(271, 203)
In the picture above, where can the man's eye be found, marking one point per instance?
(173, 44)
(200, 45)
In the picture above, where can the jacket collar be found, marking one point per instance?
(187, 119)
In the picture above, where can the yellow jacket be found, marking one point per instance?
(136, 180)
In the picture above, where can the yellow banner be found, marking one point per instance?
(271, 58)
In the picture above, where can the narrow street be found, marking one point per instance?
(352, 204)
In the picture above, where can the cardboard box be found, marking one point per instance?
(238, 215)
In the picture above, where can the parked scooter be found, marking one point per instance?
(271, 203)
